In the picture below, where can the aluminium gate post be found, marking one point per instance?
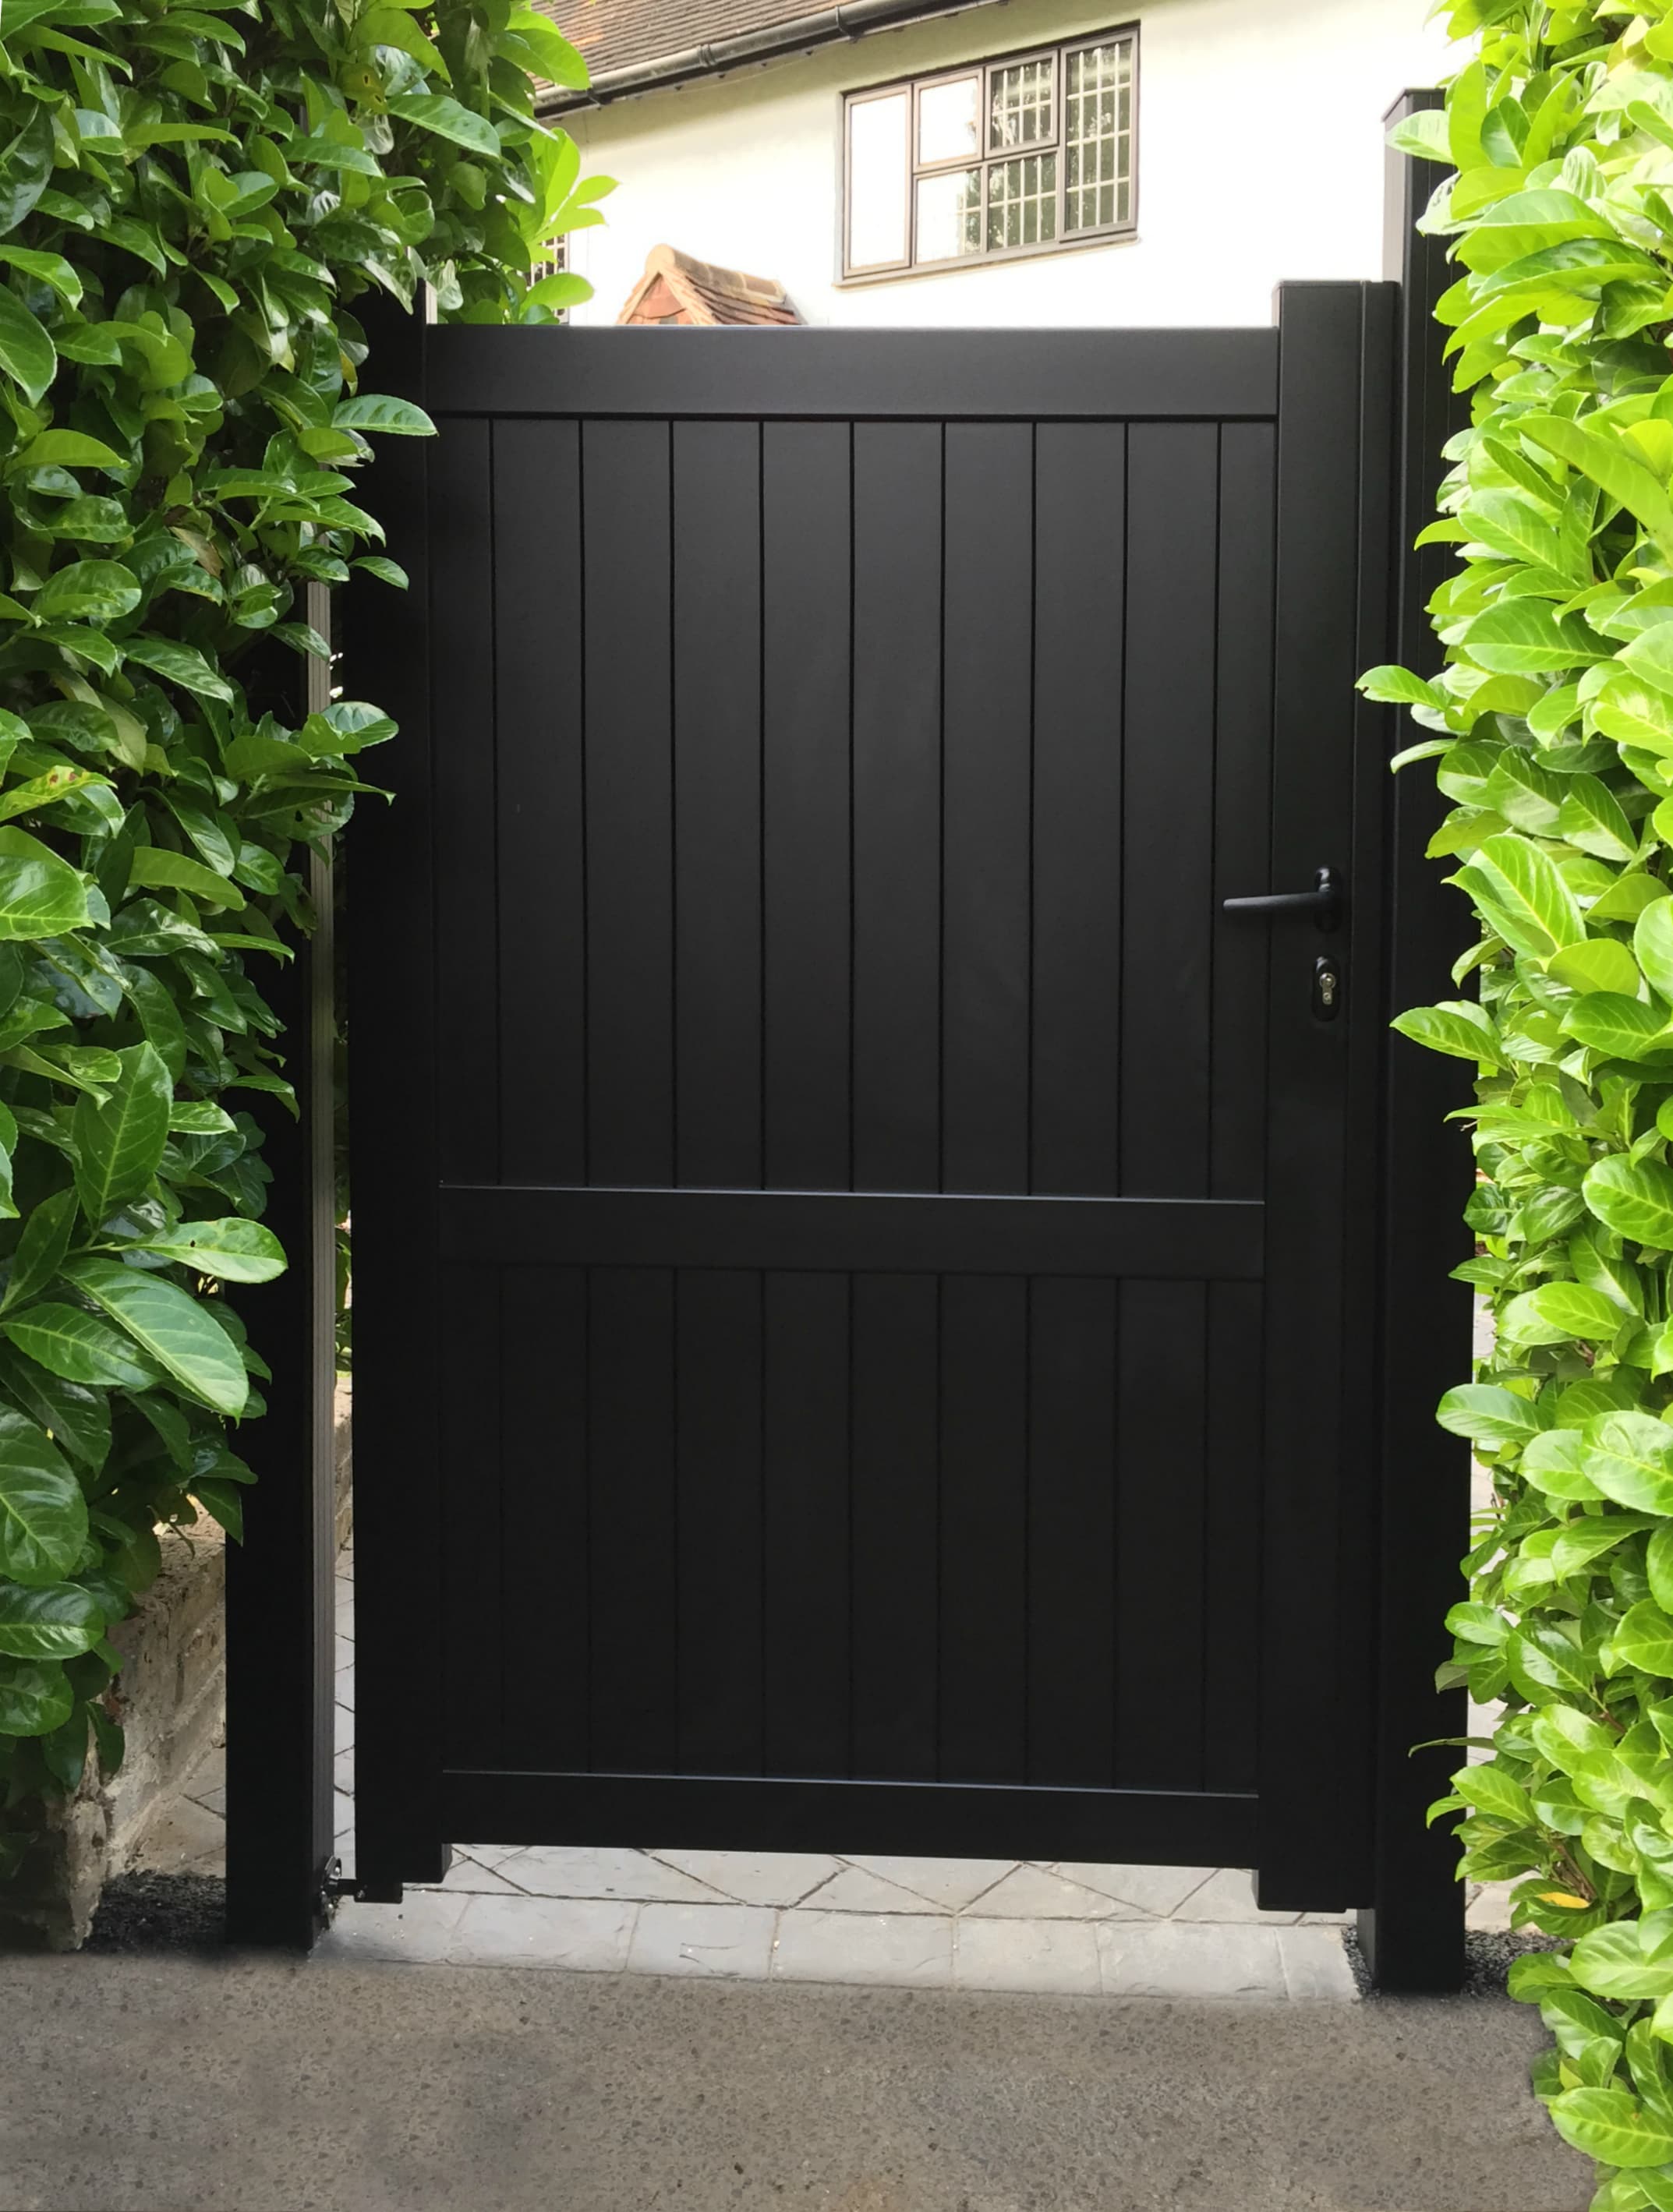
(393, 1045)
(1413, 1929)
(279, 1580)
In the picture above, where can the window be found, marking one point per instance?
(1027, 154)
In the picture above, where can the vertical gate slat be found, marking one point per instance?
(720, 1520)
(631, 1529)
(1158, 1562)
(984, 1529)
(717, 801)
(1242, 808)
(466, 858)
(544, 1630)
(897, 805)
(805, 526)
(1173, 472)
(805, 1650)
(1081, 500)
(540, 880)
(1071, 1533)
(1232, 1540)
(473, 1598)
(630, 803)
(987, 630)
(896, 1483)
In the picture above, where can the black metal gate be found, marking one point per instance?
(865, 1337)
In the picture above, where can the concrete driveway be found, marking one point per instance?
(163, 2084)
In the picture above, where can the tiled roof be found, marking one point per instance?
(616, 34)
(678, 288)
(631, 45)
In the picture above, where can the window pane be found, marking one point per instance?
(1022, 201)
(1097, 136)
(949, 215)
(1019, 110)
(877, 180)
(947, 120)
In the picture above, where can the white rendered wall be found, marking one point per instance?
(1260, 158)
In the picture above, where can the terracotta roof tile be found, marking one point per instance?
(678, 288)
(616, 34)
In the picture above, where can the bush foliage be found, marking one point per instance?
(1553, 737)
(191, 197)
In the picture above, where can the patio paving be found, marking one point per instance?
(1053, 1928)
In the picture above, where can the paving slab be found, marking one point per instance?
(1059, 1957)
(950, 1885)
(898, 1950)
(336, 2085)
(735, 1940)
(755, 1877)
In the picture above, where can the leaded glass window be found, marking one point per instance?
(1097, 136)
(1026, 154)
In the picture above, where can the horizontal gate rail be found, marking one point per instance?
(1017, 375)
(1159, 1239)
(940, 1819)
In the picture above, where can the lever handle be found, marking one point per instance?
(1323, 902)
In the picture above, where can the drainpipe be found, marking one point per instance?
(852, 19)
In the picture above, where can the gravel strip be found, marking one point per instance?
(160, 1912)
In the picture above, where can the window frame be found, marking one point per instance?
(984, 68)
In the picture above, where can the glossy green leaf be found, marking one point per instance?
(40, 1248)
(170, 1327)
(373, 411)
(1460, 1027)
(1488, 1415)
(70, 450)
(1634, 1197)
(1611, 465)
(1611, 2125)
(232, 1250)
(448, 119)
(27, 353)
(1592, 817)
(1601, 963)
(54, 1621)
(35, 1697)
(119, 1139)
(1624, 1027)
(1645, 1638)
(78, 1346)
(1526, 637)
(1529, 903)
(1652, 945)
(43, 1514)
(1630, 1459)
(40, 895)
(88, 590)
(1556, 1312)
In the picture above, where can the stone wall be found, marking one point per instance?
(171, 1699)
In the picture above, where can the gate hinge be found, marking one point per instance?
(335, 1886)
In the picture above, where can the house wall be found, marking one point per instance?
(1260, 158)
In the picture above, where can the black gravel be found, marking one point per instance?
(160, 1912)
(1487, 1960)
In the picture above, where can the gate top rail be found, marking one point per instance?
(850, 374)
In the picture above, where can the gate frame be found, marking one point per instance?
(1403, 1199)
(1412, 1930)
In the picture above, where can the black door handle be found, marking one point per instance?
(1323, 902)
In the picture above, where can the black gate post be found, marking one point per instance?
(393, 1050)
(1412, 1930)
(279, 1580)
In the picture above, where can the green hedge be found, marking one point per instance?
(1553, 736)
(191, 198)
